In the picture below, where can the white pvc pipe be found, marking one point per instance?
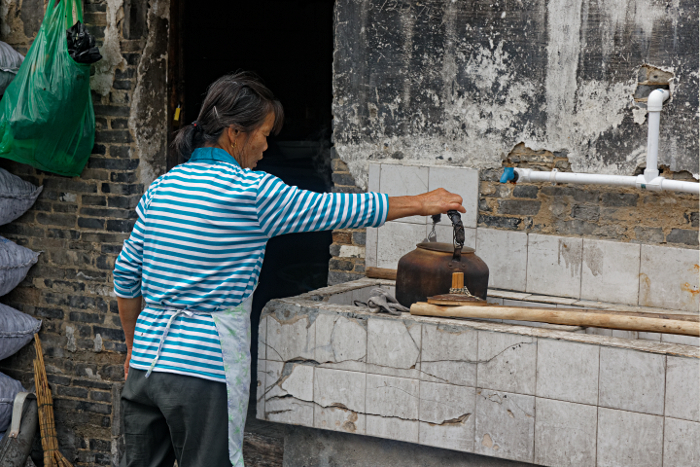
(639, 181)
(655, 103)
(529, 175)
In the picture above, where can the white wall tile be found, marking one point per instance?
(505, 425)
(340, 400)
(344, 298)
(260, 391)
(404, 180)
(567, 371)
(446, 416)
(444, 234)
(554, 265)
(683, 388)
(394, 240)
(371, 247)
(505, 253)
(449, 355)
(507, 362)
(392, 407)
(393, 347)
(678, 339)
(650, 336)
(629, 439)
(632, 380)
(669, 278)
(462, 181)
(565, 433)
(262, 338)
(610, 271)
(625, 334)
(290, 339)
(681, 443)
(599, 332)
(279, 407)
(341, 342)
(373, 177)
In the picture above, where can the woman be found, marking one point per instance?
(195, 256)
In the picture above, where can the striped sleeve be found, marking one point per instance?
(284, 209)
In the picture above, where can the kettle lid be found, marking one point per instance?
(443, 247)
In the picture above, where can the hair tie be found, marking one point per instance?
(194, 124)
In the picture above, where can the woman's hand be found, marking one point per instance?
(434, 202)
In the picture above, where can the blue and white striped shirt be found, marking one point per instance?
(198, 244)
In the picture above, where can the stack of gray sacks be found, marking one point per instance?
(16, 328)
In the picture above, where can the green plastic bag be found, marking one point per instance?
(46, 114)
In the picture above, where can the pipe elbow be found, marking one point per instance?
(656, 99)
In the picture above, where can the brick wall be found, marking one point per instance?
(348, 247)
(79, 224)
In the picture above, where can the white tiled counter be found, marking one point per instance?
(550, 395)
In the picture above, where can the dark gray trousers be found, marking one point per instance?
(168, 417)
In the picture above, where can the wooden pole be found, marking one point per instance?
(381, 273)
(554, 316)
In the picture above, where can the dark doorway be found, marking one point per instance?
(289, 43)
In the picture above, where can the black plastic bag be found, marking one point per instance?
(81, 44)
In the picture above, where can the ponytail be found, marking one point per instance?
(239, 100)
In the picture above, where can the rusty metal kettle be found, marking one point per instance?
(427, 270)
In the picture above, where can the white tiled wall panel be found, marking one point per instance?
(462, 181)
(610, 271)
(394, 240)
(669, 278)
(681, 443)
(629, 439)
(505, 253)
(567, 371)
(565, 433)
(373, 178)
(404, 180)
(554, 265)
(632, 380)
(371, 247)
(444, 234)
(683, 388)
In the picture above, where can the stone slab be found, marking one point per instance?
(683, 388)
(505, 253)
(505, 425)
(565, 434)
(668, 278)
(632, 380)
(629, 439)
(446, 415)
(449, 355)
(610, 271)
(567, 371)
(507, 362)
(554, 265)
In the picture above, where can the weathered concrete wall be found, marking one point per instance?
(454, 82)
(533, 83)
(80, 223)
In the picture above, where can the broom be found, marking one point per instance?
(47, 424)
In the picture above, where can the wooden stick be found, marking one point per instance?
(457, 280)
(554, 316)
(381, 273)
(47, 423)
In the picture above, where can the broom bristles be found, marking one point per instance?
(47, 423)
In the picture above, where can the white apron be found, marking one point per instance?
(233, 326)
